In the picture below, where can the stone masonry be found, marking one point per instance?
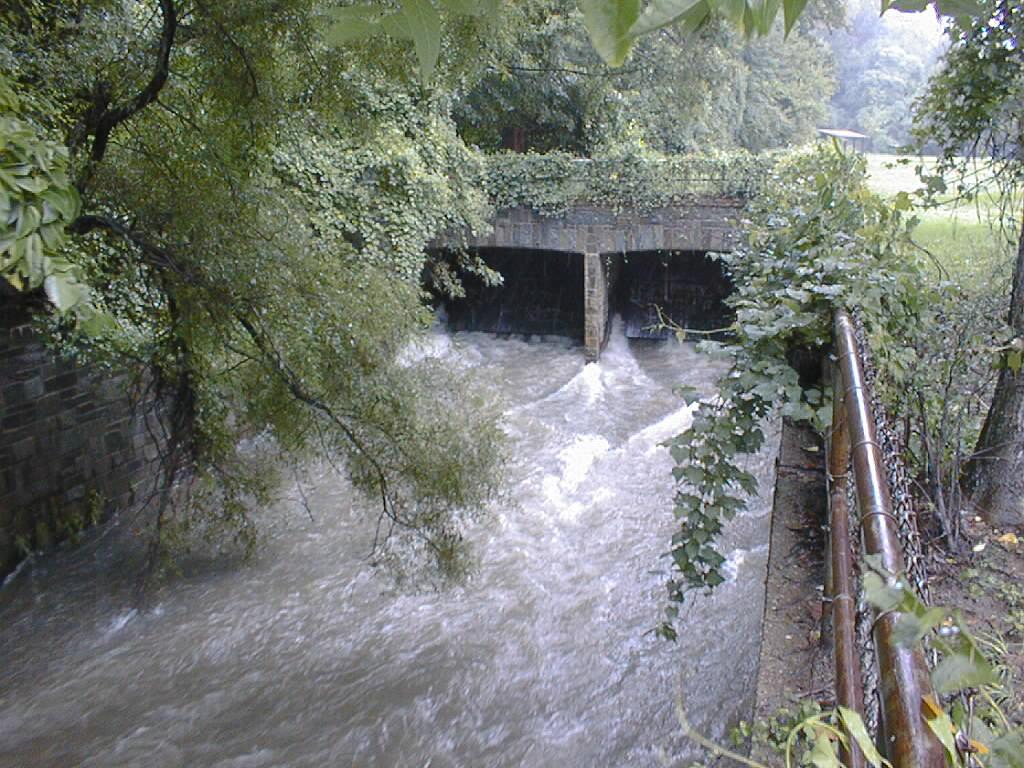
(599, 277)
(602, 234)
(72, 447)
(707, 224)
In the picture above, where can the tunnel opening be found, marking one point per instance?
(689, 287)
(541, 294)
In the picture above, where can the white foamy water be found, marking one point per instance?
(310, 657)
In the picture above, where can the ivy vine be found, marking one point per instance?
(817, 240)
(37, 203)
(554, 182)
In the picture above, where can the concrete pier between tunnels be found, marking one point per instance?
(575, 294)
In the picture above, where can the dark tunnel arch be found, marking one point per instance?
(690, 287)
(542, 294)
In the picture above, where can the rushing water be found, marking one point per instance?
(310, 657)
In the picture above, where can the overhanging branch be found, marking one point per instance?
(156, 255)
(109, 118)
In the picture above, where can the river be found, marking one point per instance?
(309, 656)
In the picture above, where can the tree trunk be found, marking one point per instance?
(994, 477)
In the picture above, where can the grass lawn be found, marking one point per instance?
(964, 237)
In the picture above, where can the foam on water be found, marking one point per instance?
(576, 461)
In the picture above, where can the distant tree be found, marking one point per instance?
(787, 87)
(882, 65)
(703, 90)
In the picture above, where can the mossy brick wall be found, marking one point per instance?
(72, 446)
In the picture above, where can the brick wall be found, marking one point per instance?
(72, 446)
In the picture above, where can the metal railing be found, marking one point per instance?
(905, 737)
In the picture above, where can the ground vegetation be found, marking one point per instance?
(975, 108)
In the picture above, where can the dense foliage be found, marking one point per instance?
(549, 91)
(551, 183)
(818, 240)
(265, 271)
(37, 203)
(234, 200)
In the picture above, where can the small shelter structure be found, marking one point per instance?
(857, 141)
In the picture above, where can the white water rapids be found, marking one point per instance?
(310, 657)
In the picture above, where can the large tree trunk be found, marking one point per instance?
(995, 476)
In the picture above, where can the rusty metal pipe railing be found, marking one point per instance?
(849, 686)
(903, 673)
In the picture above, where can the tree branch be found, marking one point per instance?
(109, 118)
(156, 256)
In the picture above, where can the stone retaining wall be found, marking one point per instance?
(72, 447)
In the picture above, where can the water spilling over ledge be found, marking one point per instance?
(311, 657)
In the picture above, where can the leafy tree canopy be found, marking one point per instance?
(882, 64)
(250, 207)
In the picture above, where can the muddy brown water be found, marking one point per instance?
(309, 656)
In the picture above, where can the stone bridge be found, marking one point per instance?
(661, 254)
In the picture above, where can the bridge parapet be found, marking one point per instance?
(706, 224)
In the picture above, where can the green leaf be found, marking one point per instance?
(962, 670)
(98, 324)
(959, 8)
(822, 754)
(35, 261)
(883, 596)
(29, 220)
(762, 13)
(424, 24)
(1014, 360)
(1007, 751)
(396, 26)
(63, 292)
(350, 32)
(52, 235)
(902, 202)
(661, 13)
(944, 730)
(855, 727)
(909, 629)
(353, 24)
(733, 10)
(791, 10)
(693, 474)
(608, 23)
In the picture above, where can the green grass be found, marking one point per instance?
(970, 252)
(963, 237)
(891, 174)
